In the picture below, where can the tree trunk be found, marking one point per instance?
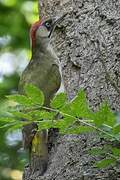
(88, 46)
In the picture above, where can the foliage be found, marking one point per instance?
(9, 153)
(16, 18)
(71, 117)
(8, 85)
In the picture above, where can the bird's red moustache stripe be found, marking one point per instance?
(33, 30)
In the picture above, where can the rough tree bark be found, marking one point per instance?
(88, 46)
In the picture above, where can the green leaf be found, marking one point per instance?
(106, 128)
(66, 109)
(78, 130)
(40, 114)
(7, 119)
(7, 125)
(97, 151)
(79, 106)
(116, 129)
(35, 94)
(61, 124)
(15, 127)
(104, 115)
(64, 123)
(21, 115)
(105, 162)
(116, 151)
(21, 99)
(116, 137)
(59, 100)
(46, 124)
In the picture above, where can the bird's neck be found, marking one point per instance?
(38, 47)
(40, 51)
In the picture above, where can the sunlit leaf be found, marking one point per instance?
(104, 115)
(116, 129)
(78, 130)
(34, 94)
(64, 123)
(8, 3)
(15, 127)
(105, 162)
(21, 115)
(40, 114)
(66, 109)
(59, 100)
(80, 107)
(21, 99)
(46, 124)
(116, 151)
(97, 151)
(7, 119)
(7, 125)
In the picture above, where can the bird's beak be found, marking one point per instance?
(56, 22)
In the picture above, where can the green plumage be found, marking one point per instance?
(44, 74)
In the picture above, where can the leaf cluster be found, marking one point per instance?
(15, 23)
(70, 117)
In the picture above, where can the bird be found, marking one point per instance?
(43, 71)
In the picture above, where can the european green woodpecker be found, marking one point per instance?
(43, 72)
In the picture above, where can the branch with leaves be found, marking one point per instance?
(70, 117)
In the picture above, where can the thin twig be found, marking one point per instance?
(84, 122)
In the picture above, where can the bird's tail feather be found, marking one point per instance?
(39, 152)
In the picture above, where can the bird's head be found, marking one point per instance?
(42, 30)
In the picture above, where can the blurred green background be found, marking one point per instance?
(15, 20)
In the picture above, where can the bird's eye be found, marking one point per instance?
(47, 24)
